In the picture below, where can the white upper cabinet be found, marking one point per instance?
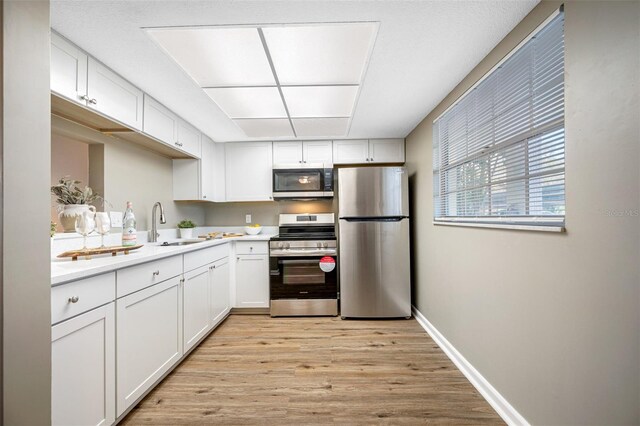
(201, 180)
(368, 151)
(302, 152)
(248, 171)
(287, 153)
(68, 70)
(188, 138)
(317, 152)
(114, 96)
(386, 150)
(159, 122)
(350, 151)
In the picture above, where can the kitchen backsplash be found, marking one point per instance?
(264, 213)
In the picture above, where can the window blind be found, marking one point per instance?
(498, 153)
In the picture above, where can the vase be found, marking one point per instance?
(69, 213)
(186, 232)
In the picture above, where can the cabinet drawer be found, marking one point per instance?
(252, 247)
(203, 257)
(141, 276)
(88, 294)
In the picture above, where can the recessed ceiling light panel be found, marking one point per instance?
(321, 127)
(217, 56)
(265, 128)
(249, 102)
(320, 101)
(322, 53)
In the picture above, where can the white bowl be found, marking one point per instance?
(253, 230)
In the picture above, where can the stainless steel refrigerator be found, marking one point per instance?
(373, 212)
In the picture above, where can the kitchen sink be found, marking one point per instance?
(180, 243)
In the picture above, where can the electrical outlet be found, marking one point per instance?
(116, 219)
(247, 218)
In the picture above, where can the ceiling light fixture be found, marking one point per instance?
(277, 81)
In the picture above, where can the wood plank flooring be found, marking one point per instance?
(259, 370)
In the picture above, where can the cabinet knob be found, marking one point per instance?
(84, 98)
(93, 101)
(204, 196)
(156, 273)
(74, 299)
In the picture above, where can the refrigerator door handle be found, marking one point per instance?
(374, 219)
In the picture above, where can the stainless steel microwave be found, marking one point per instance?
(305, 181)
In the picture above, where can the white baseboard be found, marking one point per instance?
(493, 397)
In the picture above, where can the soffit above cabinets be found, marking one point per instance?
(277, 81)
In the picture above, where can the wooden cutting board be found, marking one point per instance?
(74, 254)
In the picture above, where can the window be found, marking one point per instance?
(498, 152)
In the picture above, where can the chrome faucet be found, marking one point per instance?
(154, 227)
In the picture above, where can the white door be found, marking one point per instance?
(68, 70)
(188, 138)
(207, 170)
(317, 152)
(195, 306)
(287, 153)
(83, 369)
(252, 281)
(248, 168)
(113, 96)
(386, 150)
(220, 302)
(149, 338)
(159, 122)
(350, 151)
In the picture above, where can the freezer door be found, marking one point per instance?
(373, 191)
(374, 269)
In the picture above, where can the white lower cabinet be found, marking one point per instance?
(220, 291)
(83, 376)
(149, 338)
(196, 305)
(252, 281)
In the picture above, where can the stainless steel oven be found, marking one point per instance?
(302, 181)
(303, 266)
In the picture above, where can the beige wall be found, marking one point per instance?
(266, 213)
(68, 158)
(25, 164)
(143, 177)
(552, 321)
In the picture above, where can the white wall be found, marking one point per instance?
(264, 213)
(25, 167)
(552, 320)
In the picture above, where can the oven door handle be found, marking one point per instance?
(296, 262)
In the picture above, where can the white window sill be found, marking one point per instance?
(514, 226)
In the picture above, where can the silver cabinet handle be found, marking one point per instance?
(84, 98)
(178, 144)
(250, 248)
(74, 299)
(93, 101)
(204, 196)
(156, 273)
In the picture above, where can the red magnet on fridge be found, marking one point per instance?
(327, 264)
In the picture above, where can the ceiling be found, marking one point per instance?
(422, 50)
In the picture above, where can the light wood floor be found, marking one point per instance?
(259, 370)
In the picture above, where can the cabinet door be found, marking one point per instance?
(252, 281)
(149, 338)
(188, 138)
(113, 96)
(248, 171)
(83, 369)
(220, 302)
(386, 150)
(68, 70)
(317, 152)
(159, 122)
(350, 152)
(287, 153)
(195, 304)
(207, 170)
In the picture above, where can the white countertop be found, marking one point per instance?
(64, 270)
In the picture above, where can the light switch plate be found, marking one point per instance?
(116, 219)
(247, 218)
